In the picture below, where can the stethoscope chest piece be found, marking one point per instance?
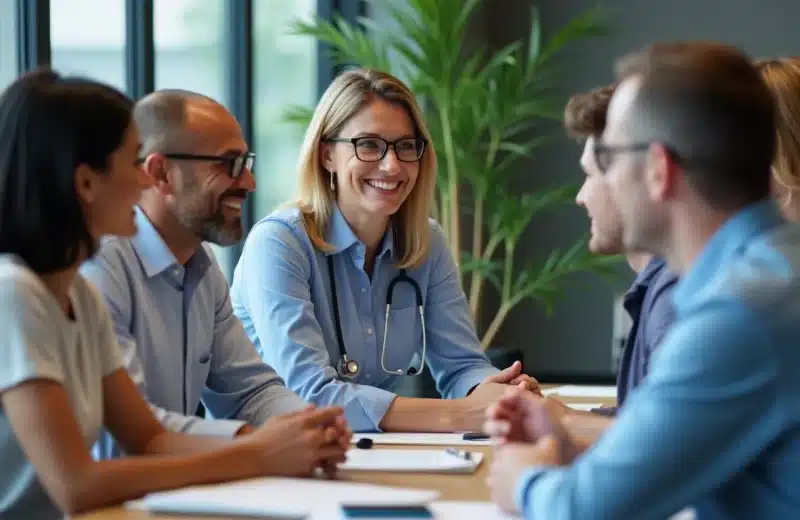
(348, 368)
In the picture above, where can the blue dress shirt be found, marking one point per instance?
(180, 339)
(716, 423)
(649, 304)
(281, 292)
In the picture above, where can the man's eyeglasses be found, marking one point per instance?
(236, 163)
(373, 149)
(604, 153)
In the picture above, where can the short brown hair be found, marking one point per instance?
(707, 103)
(585, 113)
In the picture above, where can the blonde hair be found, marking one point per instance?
(782, 76)
(347, 95)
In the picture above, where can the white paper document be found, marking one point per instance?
(421, 439)
(447, 510)
(585, 407)
(418, 461)
(278, 498)
(602, 392)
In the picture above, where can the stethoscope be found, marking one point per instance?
(349, 368)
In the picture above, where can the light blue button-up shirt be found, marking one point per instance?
(281, 291)
(180, 339)
(716, 423)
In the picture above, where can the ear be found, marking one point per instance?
(327, 156)
(661, 174)
(156, 166)
(87, 184)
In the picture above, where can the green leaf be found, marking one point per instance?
(298, 115)
(587, 24)
(466, 11)
(534, 37)
(348, 45)
(488, 269)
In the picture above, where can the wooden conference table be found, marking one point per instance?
(452, 487)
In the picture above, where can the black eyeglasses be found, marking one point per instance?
(604, 153)
(373, 149)
(236, 163)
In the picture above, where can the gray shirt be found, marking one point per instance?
(180, 339)
(39, 342)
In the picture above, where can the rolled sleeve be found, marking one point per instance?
(708, 380)
(455, 356)
(275, 304)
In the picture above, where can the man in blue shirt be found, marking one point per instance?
(648, 299)
(716, 424)
(168, 298)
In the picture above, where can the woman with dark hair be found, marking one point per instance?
(69, 174)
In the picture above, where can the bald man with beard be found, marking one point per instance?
(167, 296)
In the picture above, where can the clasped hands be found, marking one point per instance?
(298, 443)
(527, 432)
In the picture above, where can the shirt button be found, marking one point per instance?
(369, 331)
(363, 289)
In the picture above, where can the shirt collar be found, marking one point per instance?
(153, 252)
(727, 242)
(646, 276)
(341, 236)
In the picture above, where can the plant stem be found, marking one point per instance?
(494, 326)
(443, 216)
(477, 279)
(499, 319)
(508, 270)
(506, 301)
(476, 290)
(452, 182)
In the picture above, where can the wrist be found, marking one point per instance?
(465, 416)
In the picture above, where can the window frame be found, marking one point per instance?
(34, 50)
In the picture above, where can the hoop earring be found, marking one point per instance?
(333, 181)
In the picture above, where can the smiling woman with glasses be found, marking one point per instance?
(352, 287)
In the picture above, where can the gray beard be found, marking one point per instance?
(209, 228)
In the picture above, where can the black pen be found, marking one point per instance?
(475, 436)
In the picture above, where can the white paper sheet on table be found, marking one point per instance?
(585, 407)
(602, 392)
(278, 498)
(418, 461)
(421, 439)
(447, 510)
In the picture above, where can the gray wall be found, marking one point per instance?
(577, 339)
